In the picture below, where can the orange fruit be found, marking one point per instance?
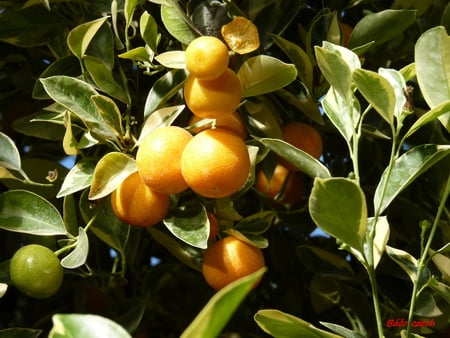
(213, 98)
(232, 122)
(284, 186)
(346, 32)
(215, 163)
(133, 202)
(214, 226)
(158, 159)
(229, 259)
(304, 137)
(206, 57)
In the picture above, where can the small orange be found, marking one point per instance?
(213, 98)
(215, 163)
(158, 159)
(206, 57)
(133, 202)
(232, 122)
(304, 137)
(229, 259)
(346, 32)
(214, 226)
(284, 186)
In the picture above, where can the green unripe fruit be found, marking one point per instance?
(36, 271)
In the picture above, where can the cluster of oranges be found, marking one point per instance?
(211, 160)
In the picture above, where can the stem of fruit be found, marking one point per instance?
(422, 261)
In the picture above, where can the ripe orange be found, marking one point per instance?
(232, 122)
(133, 202)
(284, 186)
(215, 163)
(206, 57)
(229, 259)
(158, 159)
(304, 137)
(213, 98)
(346, 32)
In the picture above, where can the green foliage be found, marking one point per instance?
(82, 84)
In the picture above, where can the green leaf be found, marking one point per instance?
(216, 313)
(164, 89)
(149, 31)
(257, 223)
(103, 77)
(433, 69)
(187, 254)
(338, 207)
(159, 118)
(26, 212)
(343, 112)
(442, 263)
(426, 305)
(377, 90)
(110, 113)
(190, 224)
(141, 54)
(109, 172)
(299, 58)
(325, 263)
(408, 263)
(86, 326)
(405, 170)
(300, 159)
(264, 74)
(282, 325)
(80, 37)
(382, 233)
(381, 27)
(337, 64)
(9, 156)
(397, 81)
(172, 59)
(75, 96)
(20, 333)
(78, 178)
(176, 25)
(342, 331)
(429, 116)
(31, 26)
(78, 256)
(129, 7)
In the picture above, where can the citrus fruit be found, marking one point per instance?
(206, 57)
(282, 186)
(215, 163)
(158, 159)
(241, 35)
(304, 137)
(213, 98)
(229, 259)
(133, 202)
(214, 226)
(346, 32)
(36, 271)
(231, 121)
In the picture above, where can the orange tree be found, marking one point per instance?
(365, 253)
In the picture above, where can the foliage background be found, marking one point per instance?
(159, 295)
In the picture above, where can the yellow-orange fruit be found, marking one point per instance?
(232, 122)
(213, 98)
(215, 163)
(133, 202)
(158, 159)
(206, 57)
(229, 259)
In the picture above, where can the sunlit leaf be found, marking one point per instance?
(382, 233)
(338, 207)
(216, 313)
(408, 263)
(300, 159)
(109, 172)
(282, 325)
(433, 69)
(176, 25)
(397, 81)
(172, 59)
(129, 7)
(442, 263)
(405, 170)
(77, 257)
(149, 31)
(159, 118)
(26, 212)
(70, 144)
(86, 326)
(9, 156)
(264, 74)
(110, 113)
(80, 37)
